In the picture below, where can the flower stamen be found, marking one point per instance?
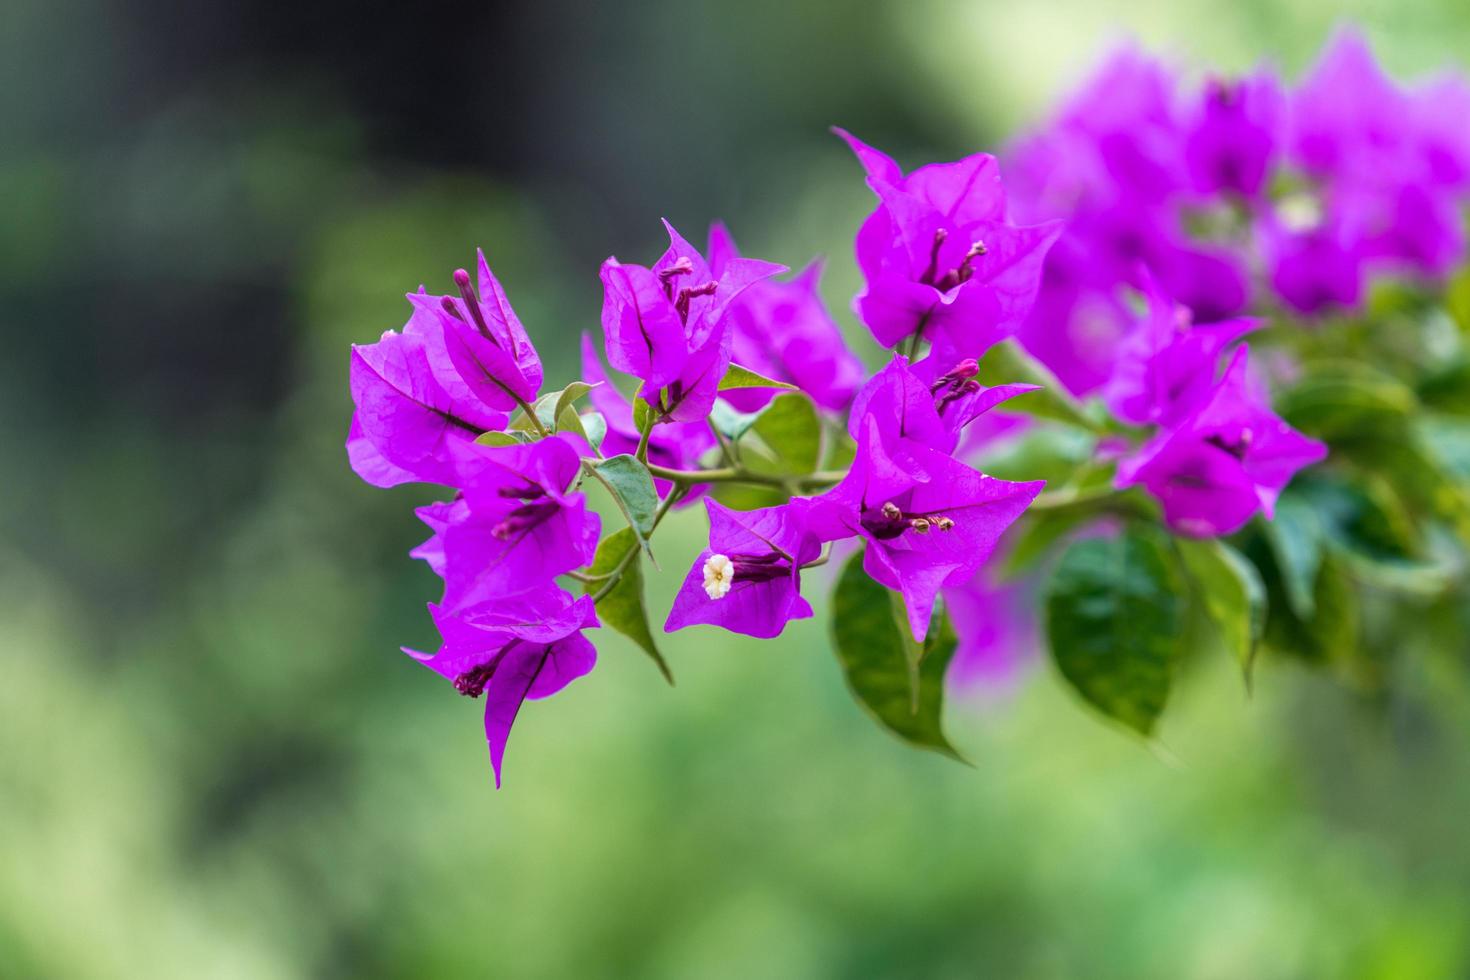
(719, 576)
(689, 292)
(472, 303)
(940, 237)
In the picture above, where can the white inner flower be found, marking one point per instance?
(719, 575)
(1300, 213)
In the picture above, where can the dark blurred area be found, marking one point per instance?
(215, 762)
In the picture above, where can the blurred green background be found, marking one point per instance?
(214, 762)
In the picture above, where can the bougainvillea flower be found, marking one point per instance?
(1232, 140)
(928, 519)
(1078, 320)
(1167, 364)
(405, 415)
(938, 255)
(749, 578)
(1113, 163)
(1118, 137)
(1393, 162)
(676, 445)
(1314, 259)
(478, 340)
(995, 623)
(1346, 118)
(1440, 109)
(507, 651)
(438, 516)
(1229, 458)
(781, 329)
(1412, 228)
(516, 527)
(370, 464)
(929, 402)
(668, 324)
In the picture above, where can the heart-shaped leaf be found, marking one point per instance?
(902, 690)
(739, 377)
(631, 486)
(1231, 593)
(621, 607)
(1114, 618)
(1008, 363)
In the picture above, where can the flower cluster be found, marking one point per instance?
(1238, 195)
(1148, 233)
(455, 398)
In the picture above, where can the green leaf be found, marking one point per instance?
(791, 429)
(499, 439)
(550, 406)
(732, 424)
(913, 650)
(622, 607)
(595, 428)
(1296, 537)
(1231, 592)
(1424, 476)
(1038, 531)
(1457, 299)
(644, 417)
(632, 488)
(1448, 443)
(1371, 524)
(1330, 633)
(569, 395)
(739, 377)
(871, 651)
(1008, 363)
(1114, 618)
(1448, 388)
(1348, 401)
(841, 449)
(1051, 453)
(570, 421)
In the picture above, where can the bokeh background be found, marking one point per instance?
(214, 762)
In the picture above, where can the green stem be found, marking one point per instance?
(615, 576)
(735, 474)
(643, 437)
(1062, 499)
(820, 560)
(727, 448)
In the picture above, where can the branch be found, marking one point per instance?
(735, 474)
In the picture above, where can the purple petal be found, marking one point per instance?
(878, 164)
(644, 336)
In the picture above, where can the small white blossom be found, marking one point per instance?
(719, 575)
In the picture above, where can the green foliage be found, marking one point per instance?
(1008, 363)
(1296, 536)
(1229, 591)
(739, 377)
(1114, 616)
(1330, 633)
(509, 438)
(1347, 401)
(791, 430)
(644, 416)
(621, 606)
(590, 425)
(631, 486)
(730, 423)
(899, 682)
